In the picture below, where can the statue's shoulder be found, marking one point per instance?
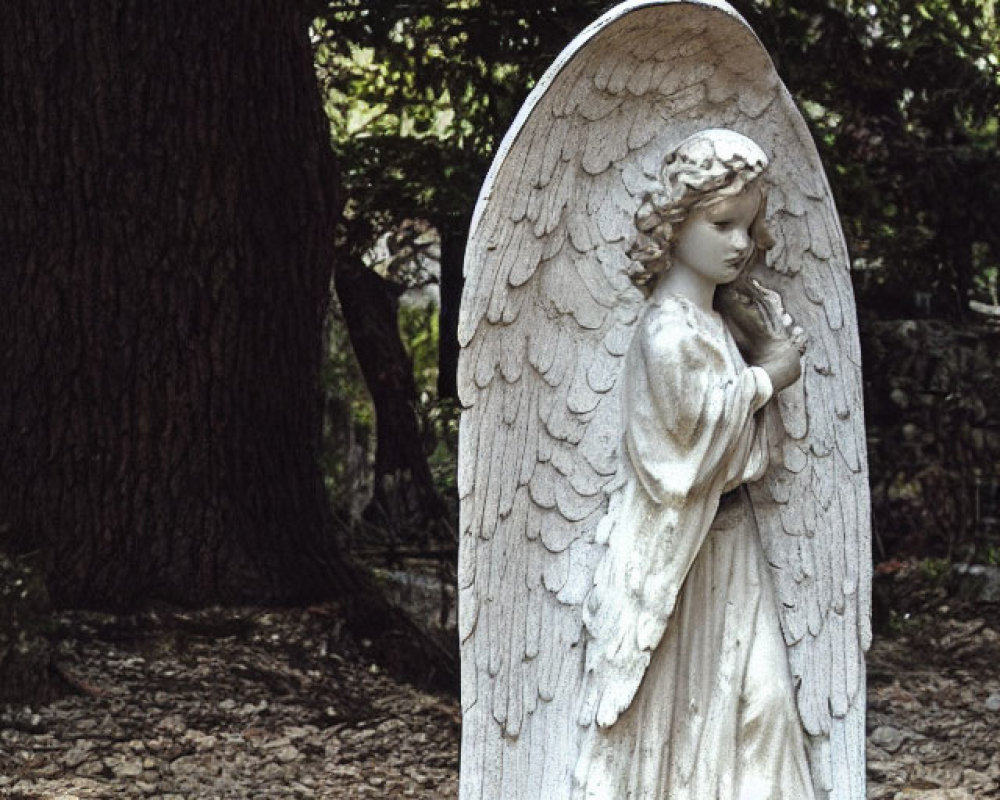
(673, 327)
(669, 314)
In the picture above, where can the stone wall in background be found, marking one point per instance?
(932, 404)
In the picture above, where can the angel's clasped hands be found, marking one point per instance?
(763, 332)
(781, 361)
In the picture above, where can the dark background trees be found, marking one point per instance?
(902, 97)
(171, 222)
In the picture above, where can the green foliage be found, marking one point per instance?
(419, 93)
(419, 329)
(935, 569)
(932, 395)
(348, 420)
(902, 97)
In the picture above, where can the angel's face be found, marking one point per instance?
(715, 241)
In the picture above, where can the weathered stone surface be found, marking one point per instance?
(887, 737)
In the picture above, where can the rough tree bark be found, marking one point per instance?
(25, 622)
(404, 500)
(166, 214)
(454, 235)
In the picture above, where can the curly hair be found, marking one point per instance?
(703, 169)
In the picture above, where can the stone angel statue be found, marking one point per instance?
(664, 564)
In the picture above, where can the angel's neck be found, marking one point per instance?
(682, 281)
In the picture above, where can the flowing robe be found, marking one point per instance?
(687, 694)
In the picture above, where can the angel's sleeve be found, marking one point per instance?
(690, 423)
(691, 432)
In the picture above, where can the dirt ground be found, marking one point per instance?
(933, 691)
(258, 703)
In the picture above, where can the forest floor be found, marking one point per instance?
(263, 703)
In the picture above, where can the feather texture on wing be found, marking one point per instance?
(547, 317)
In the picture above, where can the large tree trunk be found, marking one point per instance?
(167, 229)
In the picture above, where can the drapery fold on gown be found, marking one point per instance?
(687, 693)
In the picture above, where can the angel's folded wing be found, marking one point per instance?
(813, 506)
(547, 315)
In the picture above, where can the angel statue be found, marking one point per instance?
(664, 560)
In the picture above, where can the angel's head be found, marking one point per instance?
(704, 169)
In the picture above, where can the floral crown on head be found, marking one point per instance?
(709, 165)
